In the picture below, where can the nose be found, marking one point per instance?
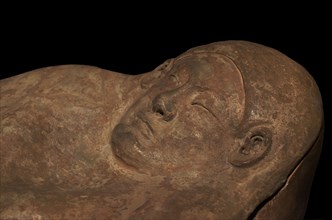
(164, 107)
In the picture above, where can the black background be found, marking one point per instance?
(135, 41)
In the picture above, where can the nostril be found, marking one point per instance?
(159, 112)
(158, 109)
(158, 106)
(163, 110)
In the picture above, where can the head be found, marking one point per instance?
(239, 112)
(186, 120)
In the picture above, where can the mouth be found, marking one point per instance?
(146, 128)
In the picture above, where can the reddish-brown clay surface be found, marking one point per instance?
(228, 130)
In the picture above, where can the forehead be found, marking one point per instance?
(209, 68)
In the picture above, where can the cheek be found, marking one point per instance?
(201, 124)
(195, 135)
(189, 137)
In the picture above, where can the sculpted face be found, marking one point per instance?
(184, 121)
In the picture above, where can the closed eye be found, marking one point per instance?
(174, 79)
(178, 77)
(200, 105)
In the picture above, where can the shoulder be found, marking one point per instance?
(46, 76)
(71, 86)
(54, 74)
(57, 79)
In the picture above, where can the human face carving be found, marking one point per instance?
(183, 121)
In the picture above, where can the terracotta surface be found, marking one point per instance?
(228, 130)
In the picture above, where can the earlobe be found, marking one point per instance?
(149, 79)
(255, 146)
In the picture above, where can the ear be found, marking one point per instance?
(149, 79)
(255, 145)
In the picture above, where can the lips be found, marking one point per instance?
(143, 133)
(146, 128)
